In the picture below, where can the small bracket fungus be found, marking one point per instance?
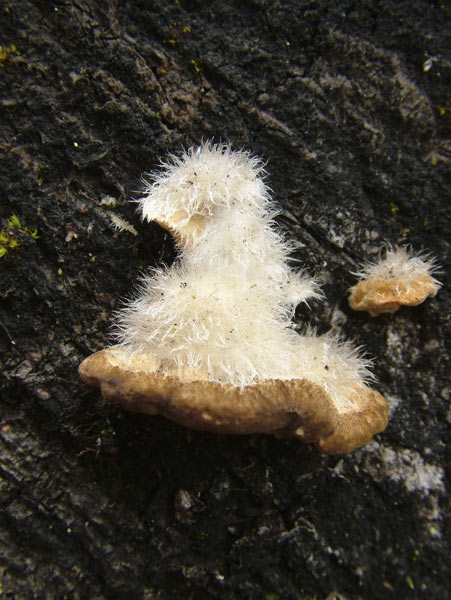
(208, 342)
(400, 278)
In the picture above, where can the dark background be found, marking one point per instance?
(338, 99)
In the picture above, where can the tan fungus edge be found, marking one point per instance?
(292, 408)
(378, 296)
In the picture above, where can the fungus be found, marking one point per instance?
(209, 342)
(121, 224)
(400, 278)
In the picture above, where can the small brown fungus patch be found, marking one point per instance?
(400, 278)
(378, 296)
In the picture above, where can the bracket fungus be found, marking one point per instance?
(400, 278)
(209, 343)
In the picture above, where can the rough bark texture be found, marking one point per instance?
(350, 104)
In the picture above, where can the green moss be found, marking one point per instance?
(415, 556)
(6, 51)
(13, 235)
(176, 32)
(194, 64)
(444, 111)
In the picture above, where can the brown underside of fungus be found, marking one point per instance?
(293, 408)
(208, 342)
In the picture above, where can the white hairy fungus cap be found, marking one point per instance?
(208, 342)
(399, 278)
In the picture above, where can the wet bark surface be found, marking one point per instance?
(350, 105)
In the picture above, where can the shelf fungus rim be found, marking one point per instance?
(295, 408)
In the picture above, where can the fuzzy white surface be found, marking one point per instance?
(399, 263)
(224, 307)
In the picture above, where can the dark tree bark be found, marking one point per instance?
(350, 105)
